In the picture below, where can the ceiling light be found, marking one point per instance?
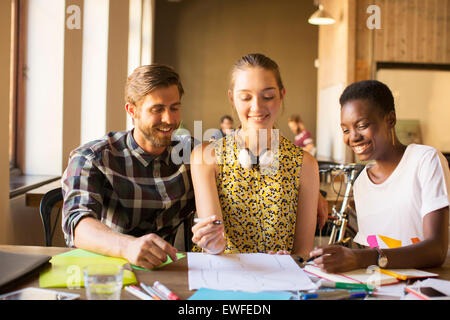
(321, 17)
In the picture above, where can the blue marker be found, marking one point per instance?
(333, 295)
(356, 295)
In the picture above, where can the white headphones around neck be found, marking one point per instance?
(248, 160)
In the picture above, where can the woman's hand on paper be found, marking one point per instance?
(282, 252)
(208, 236)
(335, 258)
(149, 251)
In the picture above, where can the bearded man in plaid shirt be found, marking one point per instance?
(126, 194)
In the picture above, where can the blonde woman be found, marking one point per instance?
(261, 188)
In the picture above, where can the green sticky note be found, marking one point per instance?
(79, 253)
(169, 260)
(85, 253)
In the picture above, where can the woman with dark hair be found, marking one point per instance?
(401, 197)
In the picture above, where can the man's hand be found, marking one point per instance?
(149, 251)
(322, 211)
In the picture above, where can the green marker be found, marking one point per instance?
(343, 285)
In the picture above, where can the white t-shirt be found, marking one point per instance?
(390, 214)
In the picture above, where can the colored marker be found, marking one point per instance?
(343, 285)
(393, 274)
(325, 295)
(152, 292)
(162, 288)
(355, 295)
(135, 291)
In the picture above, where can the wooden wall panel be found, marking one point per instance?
(441, 40)
(411, 29)
(446, 37)
(414, 31)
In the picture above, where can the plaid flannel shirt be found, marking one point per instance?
(127, 189)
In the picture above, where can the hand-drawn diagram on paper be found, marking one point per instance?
(251, 272)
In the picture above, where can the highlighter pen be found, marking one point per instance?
(135, 291)
(393, 274)
(343, 285)
(325, 295)
(151, 292)
(355, 295)
(163, 289)
(215, 222)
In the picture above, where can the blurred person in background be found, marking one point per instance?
(226, 127)
(303, 137)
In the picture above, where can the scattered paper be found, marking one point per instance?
(251, 272)
(391, 291)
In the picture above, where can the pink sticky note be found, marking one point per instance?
(372, 241)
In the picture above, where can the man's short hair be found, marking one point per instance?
(377, 93)
(226, 117)
(147, 78)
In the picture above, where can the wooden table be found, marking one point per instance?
(174, 275)
(33, 197)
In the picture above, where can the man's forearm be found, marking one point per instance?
(93, 235)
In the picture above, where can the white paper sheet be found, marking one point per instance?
(393, 291)
(251, 272)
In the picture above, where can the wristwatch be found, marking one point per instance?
(382, 259)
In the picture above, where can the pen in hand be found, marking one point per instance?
(301, 260)
(215, 222)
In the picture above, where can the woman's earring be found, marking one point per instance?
(393, 136)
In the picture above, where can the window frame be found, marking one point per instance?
(17, 86)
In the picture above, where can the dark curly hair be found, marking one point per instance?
(376, 92)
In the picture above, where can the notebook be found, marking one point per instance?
(15, 265)
(361, 275)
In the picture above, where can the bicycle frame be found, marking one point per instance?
(340, 219)
(340, 224)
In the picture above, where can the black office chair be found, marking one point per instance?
(48, 202)
(187, 222)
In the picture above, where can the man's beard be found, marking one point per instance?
(155, 137)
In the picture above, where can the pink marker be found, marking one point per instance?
(162, 288)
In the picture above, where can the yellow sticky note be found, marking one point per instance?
(67, 271)
(391, 243)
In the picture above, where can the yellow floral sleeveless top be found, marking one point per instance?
(259, 205)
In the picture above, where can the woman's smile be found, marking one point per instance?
(361, 147)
